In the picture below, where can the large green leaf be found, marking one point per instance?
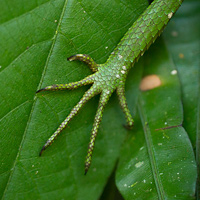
(36, 39)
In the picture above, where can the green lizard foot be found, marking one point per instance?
(105, 80)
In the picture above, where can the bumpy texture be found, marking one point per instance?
(111, 75)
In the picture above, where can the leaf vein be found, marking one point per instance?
(30, 116)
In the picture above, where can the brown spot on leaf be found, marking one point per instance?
(150, 82)
(181, 55)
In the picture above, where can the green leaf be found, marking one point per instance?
(36, 38)
(158, 163)
(185, 51)
(183, 45)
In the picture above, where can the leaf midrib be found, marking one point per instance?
(33, 106)
(158, 182)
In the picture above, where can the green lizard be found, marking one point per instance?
(111, 75)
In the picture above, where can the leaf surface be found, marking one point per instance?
(36, 40)
(184, 47)
(158, 162)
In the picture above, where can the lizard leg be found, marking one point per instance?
(87, 96)
(102, 102)
(86, 81)
(85, 58)
(122, 100)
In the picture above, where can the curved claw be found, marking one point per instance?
(43, 148)
(128, 127)
(40, 90)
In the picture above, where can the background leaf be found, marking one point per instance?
(185, 51)
(160, 108)
(184, 47)
(158, 163)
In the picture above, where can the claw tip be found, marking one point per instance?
(87, 165)
(39, 90)
(128, 127)
(86, 170)
(71, 58)
(43, 148)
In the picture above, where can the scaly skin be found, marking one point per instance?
(111, 75)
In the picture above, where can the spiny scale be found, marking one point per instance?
(111, 75)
